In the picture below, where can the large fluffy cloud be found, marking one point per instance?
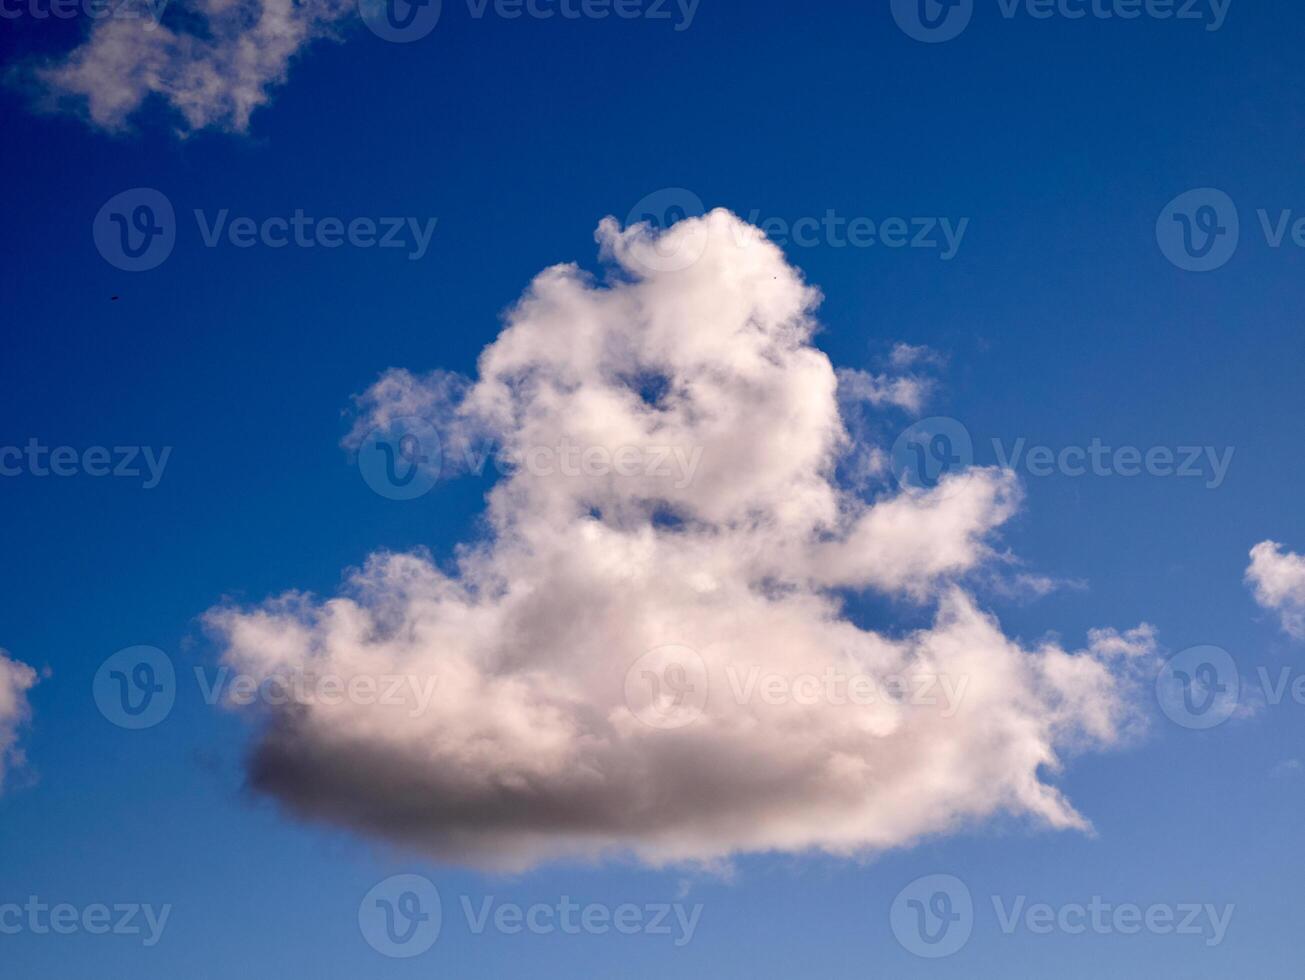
(630, 662)
(1277, 579)
(15, 680)
(215, 66)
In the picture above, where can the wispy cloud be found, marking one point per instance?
(214, 63)
(15, 680)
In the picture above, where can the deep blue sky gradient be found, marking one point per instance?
(1061, 142)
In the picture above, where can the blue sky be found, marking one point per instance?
(1059, 317)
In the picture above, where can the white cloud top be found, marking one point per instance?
(1277, 579)
(534, 747)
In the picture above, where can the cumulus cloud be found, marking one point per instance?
(15, 680)
(215, 65)
(1277, 579)
(628, 665)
